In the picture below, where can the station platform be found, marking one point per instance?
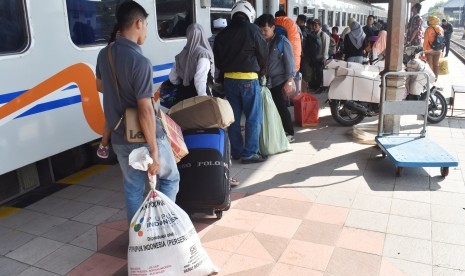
(329, 207)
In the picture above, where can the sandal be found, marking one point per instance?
(233, 181)
(103, 151)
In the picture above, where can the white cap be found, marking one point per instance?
(220, 23)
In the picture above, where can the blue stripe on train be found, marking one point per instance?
(4, 98)
(161, 67)
(51, 105)
(10, 96)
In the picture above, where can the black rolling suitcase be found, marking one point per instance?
(204, 186)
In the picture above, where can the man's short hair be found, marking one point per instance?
(310, 20)
(128, 12)
(372, 16)
(280, 13)
(317, 21)
(444, 20)
(417, 6)
(335, 28)
(265, 20)
(302, 17)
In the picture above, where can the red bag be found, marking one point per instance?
(306, 110)
(174, 134)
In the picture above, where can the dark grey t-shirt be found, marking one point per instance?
(134, 72)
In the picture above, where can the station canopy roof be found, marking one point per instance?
(387, 1)
(454, 4)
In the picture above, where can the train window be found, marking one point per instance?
(222, 4)
(91, 22)
(338, 19)
(321, 16)
(296, 10)
(310, 13)
(220, 9)
(13, 27)
(330, 18)
(343, 23)
(305, 9)
(173, 17)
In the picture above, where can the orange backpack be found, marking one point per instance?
(294, 37)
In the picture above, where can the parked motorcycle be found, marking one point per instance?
(349, 112)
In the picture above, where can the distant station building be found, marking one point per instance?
(454, 10)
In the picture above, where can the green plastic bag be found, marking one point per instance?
(273, 140)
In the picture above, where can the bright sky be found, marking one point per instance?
(425, 5)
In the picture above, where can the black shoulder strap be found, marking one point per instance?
(115, 79)
(113, 72)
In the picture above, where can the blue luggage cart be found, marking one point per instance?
(407, 150)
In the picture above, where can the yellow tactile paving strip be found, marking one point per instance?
(6, 211)
(81, 175)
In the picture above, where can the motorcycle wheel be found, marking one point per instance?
(437, 108)
(344, 115)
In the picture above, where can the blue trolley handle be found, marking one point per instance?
(383, 98)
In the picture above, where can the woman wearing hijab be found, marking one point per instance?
(432, 56)
(193, 65)
(355, 43)
(325, 28)
(380, 45)
(343, 35)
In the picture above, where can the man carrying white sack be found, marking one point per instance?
(134, 74)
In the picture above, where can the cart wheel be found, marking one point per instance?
(219, 214)
(444, 171)
(399, 171)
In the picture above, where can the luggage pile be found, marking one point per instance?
(204, 186)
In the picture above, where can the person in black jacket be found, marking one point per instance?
(448, 29)
(240, 53)
(355, 43)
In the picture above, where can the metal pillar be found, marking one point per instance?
(394, 53)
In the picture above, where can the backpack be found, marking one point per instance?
(280, 32)
(312, 47)
(286, 26)
(280, 45)
(439, 42)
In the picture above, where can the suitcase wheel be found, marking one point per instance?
(219, 214)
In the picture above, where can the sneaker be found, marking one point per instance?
(257, 158)
(102, 151)
(290, 138)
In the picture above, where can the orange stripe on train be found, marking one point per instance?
(84, 77)
(78, 73)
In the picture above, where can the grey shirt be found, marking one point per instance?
(280, 65)
(134, 72)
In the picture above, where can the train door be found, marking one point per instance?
(283, 5)
(321, 16)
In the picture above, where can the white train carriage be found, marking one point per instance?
(333, 13)
(48, 50)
